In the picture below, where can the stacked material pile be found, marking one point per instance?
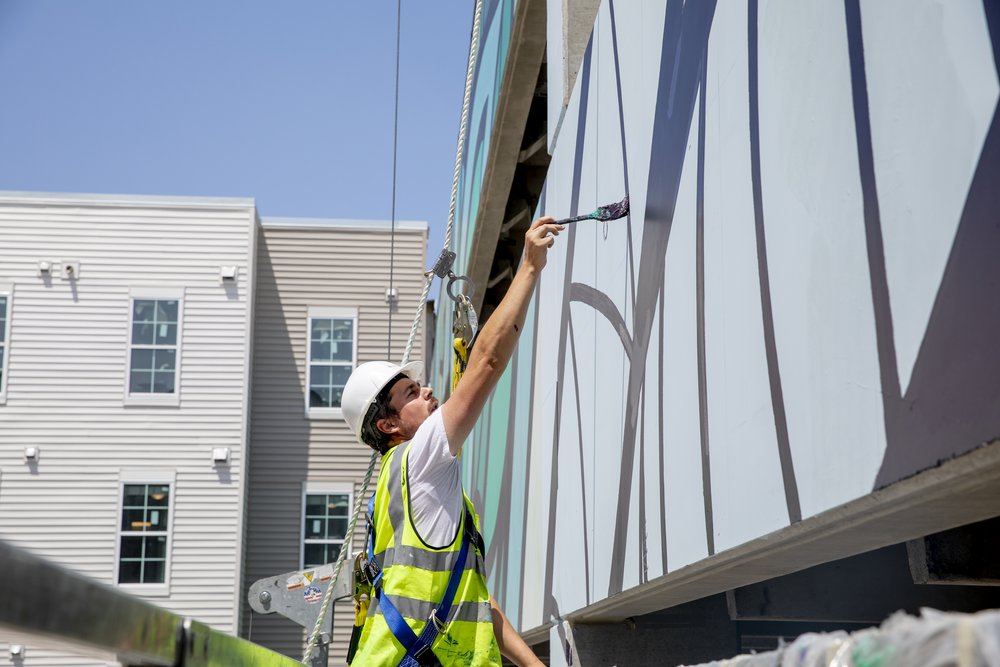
(933, 639)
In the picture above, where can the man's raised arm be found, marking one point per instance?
(495, 343)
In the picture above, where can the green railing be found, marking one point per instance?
(42, 599)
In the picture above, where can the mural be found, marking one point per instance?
(800, 309)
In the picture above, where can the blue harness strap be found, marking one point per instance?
(418, 649)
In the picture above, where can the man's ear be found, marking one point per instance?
(387, 426)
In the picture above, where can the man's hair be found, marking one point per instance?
(380, 409)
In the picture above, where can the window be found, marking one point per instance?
(154, 348)
(326, 513)
(332, 355)
(144, 533)
(4, 337)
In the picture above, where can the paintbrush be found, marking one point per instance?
(610, 212)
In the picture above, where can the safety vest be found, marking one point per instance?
(415, 577)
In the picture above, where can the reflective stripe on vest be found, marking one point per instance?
(415, 576)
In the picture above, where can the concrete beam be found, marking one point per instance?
(578, 24)
(968, 555)
(517, 92)
(697, 632)
(867, 588)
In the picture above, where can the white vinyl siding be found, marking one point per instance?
(332, 355)
(70, 373)
(5, 308)
(326, 511)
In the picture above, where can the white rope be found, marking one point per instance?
(418, 317)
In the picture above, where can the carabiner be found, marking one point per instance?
(452, 279)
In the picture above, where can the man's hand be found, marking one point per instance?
(538, 239)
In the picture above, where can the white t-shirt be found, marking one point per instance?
(435, 479)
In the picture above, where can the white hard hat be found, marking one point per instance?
(364, 385)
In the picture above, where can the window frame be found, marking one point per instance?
(155, 294)
(126, 478)
(325, 313)
(6, 291)
(310, 488)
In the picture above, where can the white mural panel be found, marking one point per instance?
(800, 308)
(932, 88)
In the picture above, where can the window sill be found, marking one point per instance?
(147, 590)
(324, 413)
(164, 400)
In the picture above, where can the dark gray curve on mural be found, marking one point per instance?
(680, 68)
(699, 249)
(603, 304)
(952, 404)
(764, 281)
(564, 327)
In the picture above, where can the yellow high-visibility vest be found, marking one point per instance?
(415, 575)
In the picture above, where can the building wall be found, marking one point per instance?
(798, 311)
(66, 386)
(304, 264)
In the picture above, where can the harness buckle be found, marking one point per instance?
(439, 625)
(421, 657)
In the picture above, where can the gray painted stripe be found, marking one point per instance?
(706, 469)
(547, 586)
(662, 444)
(764, 281)
(435, 561)
(527, 454)
(584, 527)
(397, 509)
(621, 127)
(421, 610)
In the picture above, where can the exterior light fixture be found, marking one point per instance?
(70, 270)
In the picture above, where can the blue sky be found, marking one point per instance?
(287, 102)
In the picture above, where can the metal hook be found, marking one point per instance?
(452, 279)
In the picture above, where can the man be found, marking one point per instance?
(423, 520)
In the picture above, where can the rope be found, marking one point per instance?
(418, 317)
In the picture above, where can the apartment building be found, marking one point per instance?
(124, 401)
(134, 331)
